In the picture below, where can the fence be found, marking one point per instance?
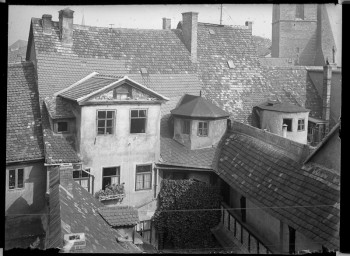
(240, 231)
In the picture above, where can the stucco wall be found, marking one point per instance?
(120, 148)
(31, 198)
(273, 121)
(217, 129)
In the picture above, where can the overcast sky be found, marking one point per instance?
(148, 16)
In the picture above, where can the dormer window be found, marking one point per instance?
(62, 127)
(203, 129)
(230, 64)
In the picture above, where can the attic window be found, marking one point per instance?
(144, 71)
(288, 122)
(212, 32)
(62, 127)
(230, 64)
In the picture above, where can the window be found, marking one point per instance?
(202, 128)
(144, 228)
(301, 125)
(291, 240)
(110, 175)
(299, 11)
(122, 92)
(105, 122)
(16, 178)
(186, 127)
(138, 121)
(62, 126)
(143, 177)
(82, 178)
(288, 122)
(243, 208)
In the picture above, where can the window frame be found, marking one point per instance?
(303, 125)
(291, 124)
(105, 119)
(118, 171)
(78, 180)
(184, 121)
(143, 175)
(56, 124)
(16, 179)
(146, 119)
(139, 228)
(198, 129)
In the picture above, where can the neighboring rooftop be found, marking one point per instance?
(74, 210)
(17, 51)
(58, 107)
(270, 178)
(281, 107)
(198, 107)
(119, 216)
(24, 138)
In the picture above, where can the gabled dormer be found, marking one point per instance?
(198, 123)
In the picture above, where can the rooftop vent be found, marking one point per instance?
(230, 64)
(144, 71)
(212, 32)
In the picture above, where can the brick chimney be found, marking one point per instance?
(166, 23)
(46, 23)
(66, 25)
(189, 32)
(249, 24)
(326, 93)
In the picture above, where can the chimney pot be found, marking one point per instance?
(166, 23)
(189, 32)
(46, 23)
(66, 25)
(249, 24)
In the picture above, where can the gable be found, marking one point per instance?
(123, 92)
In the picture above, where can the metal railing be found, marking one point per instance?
(241, 232)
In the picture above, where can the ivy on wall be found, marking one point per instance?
(185, 213)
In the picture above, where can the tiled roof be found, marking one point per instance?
(119, 216)
(17, 51)
(198, 107)
(281, 107)
(24, 139)
(57, 149)
(306, 199)
(57, 72)
(293, 85)
(77, 212)
(58, 108)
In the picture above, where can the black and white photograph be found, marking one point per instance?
(174, 128)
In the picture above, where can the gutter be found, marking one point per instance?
(25, 161)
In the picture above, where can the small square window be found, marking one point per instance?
(301, 124)
(288, 122)
(186, 127)
(203, 129)
(62, 126)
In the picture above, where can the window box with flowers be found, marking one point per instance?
(111, 192)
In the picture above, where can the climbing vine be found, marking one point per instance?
(185, 213)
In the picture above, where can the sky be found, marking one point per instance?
(148, 16)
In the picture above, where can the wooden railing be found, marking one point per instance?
(242, 233)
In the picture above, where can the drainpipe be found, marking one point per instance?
(326, 94)
(284, 130)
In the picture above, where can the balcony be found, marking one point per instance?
(111, 192)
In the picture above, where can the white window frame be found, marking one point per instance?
(198, 133)
(143, 179)
(303, 124)
(105, 119)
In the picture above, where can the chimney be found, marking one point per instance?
(189, 32)
(166, 23)
(326, 93)
(46, 23)
(284, 130)
(249, 24)
(66, 177)
(66, 25)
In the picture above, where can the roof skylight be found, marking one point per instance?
(230, 64)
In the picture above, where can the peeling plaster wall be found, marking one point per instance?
(121, 148)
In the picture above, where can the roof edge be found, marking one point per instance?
(76, 83)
